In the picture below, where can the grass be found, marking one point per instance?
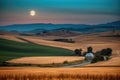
(11, 49)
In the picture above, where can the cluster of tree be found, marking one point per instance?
(25, 34)
(78, 52)
(65, 40)
(102, 55)
(106, 52)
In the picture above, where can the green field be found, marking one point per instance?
(12, 49)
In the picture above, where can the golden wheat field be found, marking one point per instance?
(78, 73)
(86, 73)
(11, 37)
(81, 41)
(114, 61)
(46, 60)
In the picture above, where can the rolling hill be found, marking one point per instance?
(42, 27)
(12, 49)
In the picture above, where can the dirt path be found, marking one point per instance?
(78, 65)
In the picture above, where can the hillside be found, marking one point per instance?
(12, 49)
(62, 33)
(46, 59)
(41, 27)
(97, 41)
(114, 61)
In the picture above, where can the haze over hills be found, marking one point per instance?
(41, 27)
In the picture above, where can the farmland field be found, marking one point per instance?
(114, 61)
(81, 41)
(18, 50)
(12, 49)
(35, 73)
(11, 37)
(59, 40)
(45, 60)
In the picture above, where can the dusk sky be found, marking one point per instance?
(59, 11)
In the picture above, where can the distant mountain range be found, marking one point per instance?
(41, 27)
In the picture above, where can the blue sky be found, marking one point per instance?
(59, 11)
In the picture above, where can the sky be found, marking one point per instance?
(59, 11)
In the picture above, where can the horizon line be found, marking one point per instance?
(61, 23)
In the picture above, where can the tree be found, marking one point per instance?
(103, 52)
(97, 58)
(89, 49)
(78, 52)
(102, 55)
(106, 52)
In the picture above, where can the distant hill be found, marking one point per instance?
(41, 27)
(116, 23)
(62, 33)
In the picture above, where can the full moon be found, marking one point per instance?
(32, 13)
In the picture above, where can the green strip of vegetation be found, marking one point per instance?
(11, 49)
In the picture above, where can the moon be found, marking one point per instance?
(32, 13)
